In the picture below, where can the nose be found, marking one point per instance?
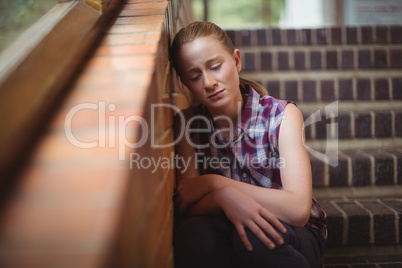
(209, 81)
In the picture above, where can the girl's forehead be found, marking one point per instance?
(204, 46)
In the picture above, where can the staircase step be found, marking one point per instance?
(309, 88)
(318, 59)
(357, 167)
(365, 35)
(338, 124)
(363, 221)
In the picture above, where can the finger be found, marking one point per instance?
(269, 230)
(243, 237)
(256, 230)
(271, 218)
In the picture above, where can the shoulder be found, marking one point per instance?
(292, 115)
(271, 102)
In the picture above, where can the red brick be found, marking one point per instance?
(273, 88)
(119, 29)
(338, 176)
(142, 12)
(130, 6)
(291, 90)
(383, 124)
(358, 224)
(245, 37)
(315, 60)
(309, 90)
(139, 20)
(261, 37)
(332, 60)
(364, 59)
(61, 218)
(351, 35)
(131, 38)
(283, 61)
(318, 168)
(344, 126)
(381, 89)
(384, 168)
(266, 61)
(249, 61)
(397, 206)
(362, 124)
(367, 34)
(51, 257)
(380, 59)
(348, 59)
(121, 63)
(396, 58)
(381, 34)
(363, 89)
(336, 36)
(126, 50)
(300, 60)
(43, 178)
(346, 89)
(291, 36)
(322, 35)
(396, 34)
(335, 224)
(361, 169)
(397, 88)
(143, 1)
(398, 132)
(118, 95)
(327, 90)
(384, 219)
(109, 79)
(276, 36)
(305, 36)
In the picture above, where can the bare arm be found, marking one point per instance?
(293, 203)
(246, 205)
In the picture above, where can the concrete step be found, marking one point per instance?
(356, 168)
(363, 221)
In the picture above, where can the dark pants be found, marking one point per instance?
(212, 241)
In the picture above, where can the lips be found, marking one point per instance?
(215, 94)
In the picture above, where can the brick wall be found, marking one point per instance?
(78, 203)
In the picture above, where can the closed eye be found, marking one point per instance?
(194, 78)
(216, 67)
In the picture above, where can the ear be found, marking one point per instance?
(237, 57)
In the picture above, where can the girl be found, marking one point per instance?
(245, 199)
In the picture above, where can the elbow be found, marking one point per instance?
(301, 217)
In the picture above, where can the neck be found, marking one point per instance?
(230, 116)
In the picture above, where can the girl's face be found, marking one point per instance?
(210, 72)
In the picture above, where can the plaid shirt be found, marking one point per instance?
(252, 155)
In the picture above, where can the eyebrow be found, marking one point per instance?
(207, 62)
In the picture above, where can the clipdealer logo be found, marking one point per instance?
(115, 133)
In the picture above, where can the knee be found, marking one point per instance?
(282, 256)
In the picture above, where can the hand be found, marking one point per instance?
(244, 212)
